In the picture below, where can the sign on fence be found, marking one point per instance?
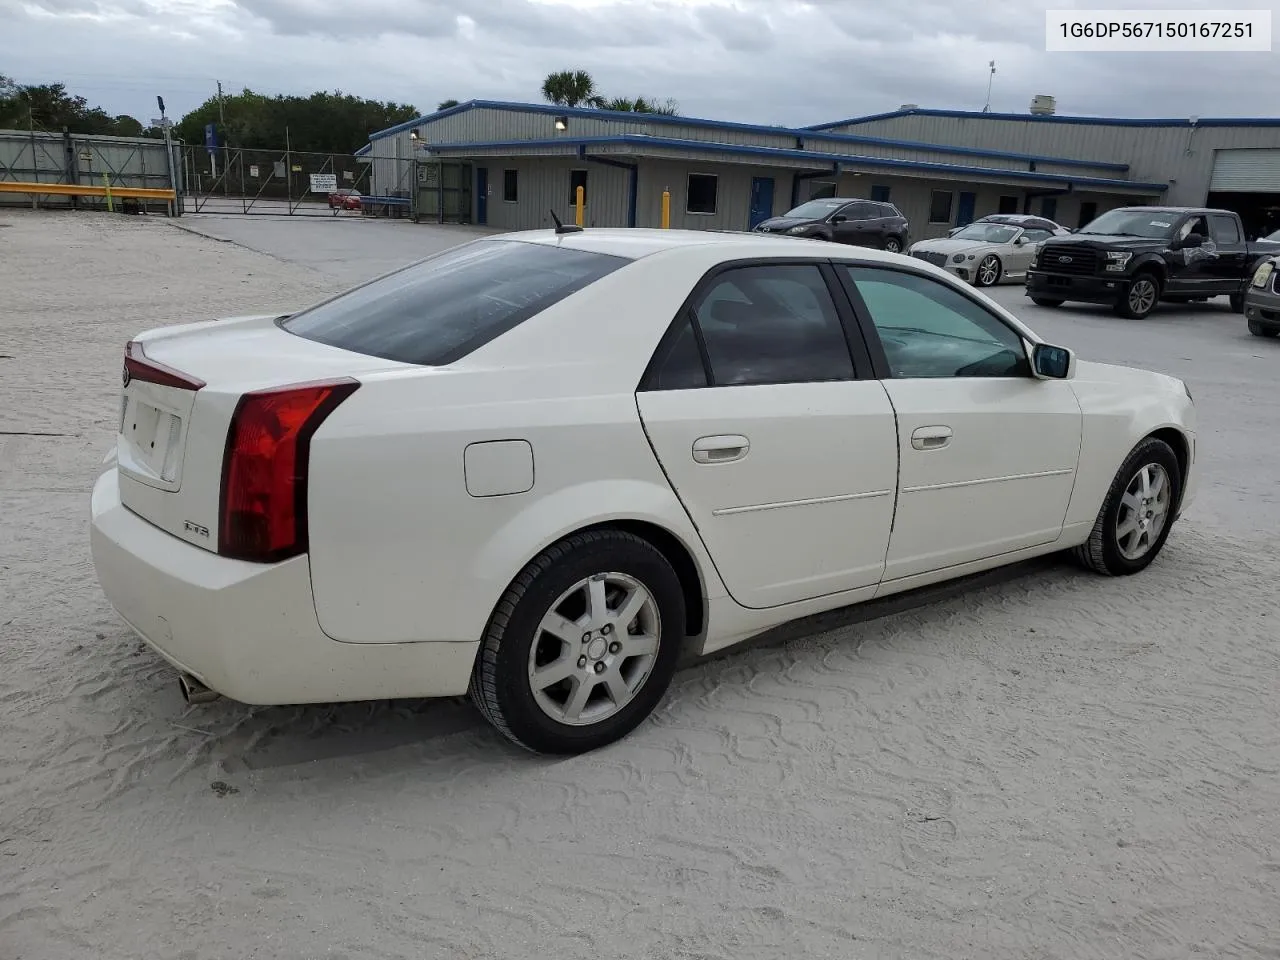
(324, 182)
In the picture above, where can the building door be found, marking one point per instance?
(879, 193)
(1088, 213)
(1049, 208)
(761, 201)
(482, 195)
(964, 213)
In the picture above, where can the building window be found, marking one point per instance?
(820, 189)
(1008, 205)
(879, 193)
(1049, 207)
(700, 196)
(577, 178)
(940, 206)
(510, 186)
(1088, 213)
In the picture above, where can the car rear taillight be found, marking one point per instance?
(263, 511)
(138, 366)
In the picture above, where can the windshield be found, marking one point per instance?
(1275, 237)
(987, 232)
(1153, 224)
(815, 209)
(440, 309)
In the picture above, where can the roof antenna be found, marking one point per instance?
(561, 228)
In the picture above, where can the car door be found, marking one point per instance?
(1229, 266)
(1022, 254)
(1189, 272)
(774, 433)
(988, 451)
(848, 224)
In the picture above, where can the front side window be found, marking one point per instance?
(700, 196)
(929, 329)
(437, 311)
(772, 324)
(987, 232)
(940, 207)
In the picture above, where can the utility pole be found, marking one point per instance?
(990, 78)
(222, 125)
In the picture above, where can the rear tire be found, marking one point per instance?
(1137, 514)
(1140, 297)
(1237, 302)
(1258, 330)
(611, 674)
(1047, 302)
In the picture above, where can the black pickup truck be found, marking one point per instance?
(1135, 257)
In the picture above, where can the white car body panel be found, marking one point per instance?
(415, 533)
(816, 482)
(1015, 259)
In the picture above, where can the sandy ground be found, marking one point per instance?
(1040, 765)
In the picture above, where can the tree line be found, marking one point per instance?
(323, 122)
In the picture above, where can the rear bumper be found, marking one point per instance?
(1053, 286)
(249, 631)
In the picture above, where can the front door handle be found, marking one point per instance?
(931, 438)
(723, 449)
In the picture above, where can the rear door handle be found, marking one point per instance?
(722, 449)
(931, 438)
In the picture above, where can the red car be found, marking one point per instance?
(344, 200)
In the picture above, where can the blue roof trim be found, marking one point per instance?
(825, 159)
(1056, 118)
(364, 151)
(555, 111)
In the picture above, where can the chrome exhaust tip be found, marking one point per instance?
(193, 691)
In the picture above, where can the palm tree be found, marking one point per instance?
(446, 104)
(571, 88)
(642, 105)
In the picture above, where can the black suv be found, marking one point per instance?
(863, 223)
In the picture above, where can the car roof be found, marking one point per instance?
(636, 242)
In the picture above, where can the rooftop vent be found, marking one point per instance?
(910, 106)
(1043, 105)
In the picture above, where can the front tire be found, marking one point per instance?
(1237, 302)
(1138, 513)
(1140, 297)
(988, 272)
(1258, 330)
(893, 245)
(583, 644)
(1047, 302)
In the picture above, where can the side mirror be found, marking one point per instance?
(953, 231)
(1020, 241)
(1052, 363)
(839, 218)
(1192, 240)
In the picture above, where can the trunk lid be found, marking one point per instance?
(172, 434)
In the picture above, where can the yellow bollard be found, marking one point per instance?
(666, 209)
(106, 184)
(582, 196)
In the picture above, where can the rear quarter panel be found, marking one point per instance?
(400, 551)
(1121, 406)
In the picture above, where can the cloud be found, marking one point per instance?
(769, 61)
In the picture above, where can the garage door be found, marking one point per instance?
(1246, 171)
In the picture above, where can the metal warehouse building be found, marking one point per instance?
(508, 165)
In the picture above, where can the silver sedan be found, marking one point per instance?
(985, 253)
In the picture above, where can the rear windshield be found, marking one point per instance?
(439, 310)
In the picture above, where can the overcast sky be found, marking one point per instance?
(766, 61)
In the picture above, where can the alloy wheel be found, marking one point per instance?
(1142, 296)
(1144, 511)
(595, 649)
(988, 271)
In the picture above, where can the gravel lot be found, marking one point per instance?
(1042, 764)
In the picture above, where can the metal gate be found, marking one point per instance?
(444, 191)
(288, 183)
(33, 156)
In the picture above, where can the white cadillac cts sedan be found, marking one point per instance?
(539, 466)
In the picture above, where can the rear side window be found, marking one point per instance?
(1225, 229)
(439, 310)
